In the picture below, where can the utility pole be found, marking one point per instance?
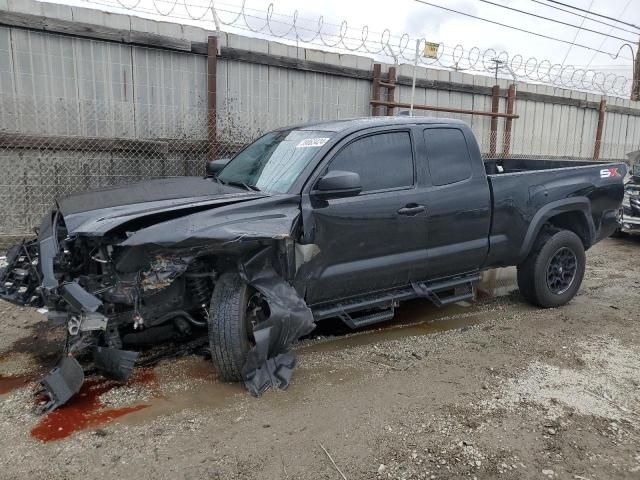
(635, 85)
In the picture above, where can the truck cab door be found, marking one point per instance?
(458, 201)
(370, 241)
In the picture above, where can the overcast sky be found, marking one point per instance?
(437, 25)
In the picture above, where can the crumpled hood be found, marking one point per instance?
(98, 211)
(269, 218)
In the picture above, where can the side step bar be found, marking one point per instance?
(387, 300)
(365, 320)
(431, 290)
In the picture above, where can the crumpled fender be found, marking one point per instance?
(270, 361)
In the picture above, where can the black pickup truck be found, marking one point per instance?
(337, 219)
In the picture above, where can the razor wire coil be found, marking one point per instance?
(400, 48)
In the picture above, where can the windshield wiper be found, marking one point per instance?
(251, 188)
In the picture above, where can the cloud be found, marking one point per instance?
(428, 21)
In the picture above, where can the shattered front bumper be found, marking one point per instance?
(27, 279)
(65, 380)
(20, 276)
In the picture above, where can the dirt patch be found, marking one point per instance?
(607, 384)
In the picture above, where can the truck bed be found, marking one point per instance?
(517, 165)
(523, 189)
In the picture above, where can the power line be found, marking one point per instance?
(576, 36)
(596, 14)
(595, 20)
(541, 35)
(604, 40)
(556, 21)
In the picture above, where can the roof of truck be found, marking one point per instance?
(369, 122)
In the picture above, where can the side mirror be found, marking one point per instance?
(214, 166)
(338, 184)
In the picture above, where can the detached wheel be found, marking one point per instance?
(553, 272)
(230, 326)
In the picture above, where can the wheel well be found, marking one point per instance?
(575, 222)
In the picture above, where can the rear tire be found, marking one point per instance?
(228, 326)
(553, 272)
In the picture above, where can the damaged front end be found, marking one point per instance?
(149, 281)
(114, 299)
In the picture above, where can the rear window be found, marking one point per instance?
(448, 155)
(383, 161)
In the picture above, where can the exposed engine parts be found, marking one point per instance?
(111, 299)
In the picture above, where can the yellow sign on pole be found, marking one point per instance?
(430, 50)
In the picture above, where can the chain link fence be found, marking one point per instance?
(79, 114)
(48, 152)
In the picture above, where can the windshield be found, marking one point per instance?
(273, 162)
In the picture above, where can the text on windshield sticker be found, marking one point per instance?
(312, 142)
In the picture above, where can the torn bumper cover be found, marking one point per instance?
(270, 362)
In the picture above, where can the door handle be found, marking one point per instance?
(412, 209)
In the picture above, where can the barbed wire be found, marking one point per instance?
(400, 48)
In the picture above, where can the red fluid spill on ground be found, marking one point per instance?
(9, 383)
(85, 410)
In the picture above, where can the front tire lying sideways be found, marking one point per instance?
(553, 272)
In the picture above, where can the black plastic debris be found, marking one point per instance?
(270, 362)
(56, 318)
(79, 299)
(261, 372)
(62, 383)
(113, 363)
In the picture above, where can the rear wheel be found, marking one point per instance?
(553, 272)
(230, 326)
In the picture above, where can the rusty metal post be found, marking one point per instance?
(495, 105)
(391, 90)
(433, 108)
(212, 54)
(375, 89)
(635, 83)
(511, 96)
(601, 112)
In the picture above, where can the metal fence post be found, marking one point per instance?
(212, 53)
(511, 96)
(391, 90)
(495, 105)
(598, 142)
(375, 89)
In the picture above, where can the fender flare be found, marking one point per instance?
(578, 205)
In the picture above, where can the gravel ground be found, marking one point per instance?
(496, 389)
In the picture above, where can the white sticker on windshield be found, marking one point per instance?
(312, 142)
